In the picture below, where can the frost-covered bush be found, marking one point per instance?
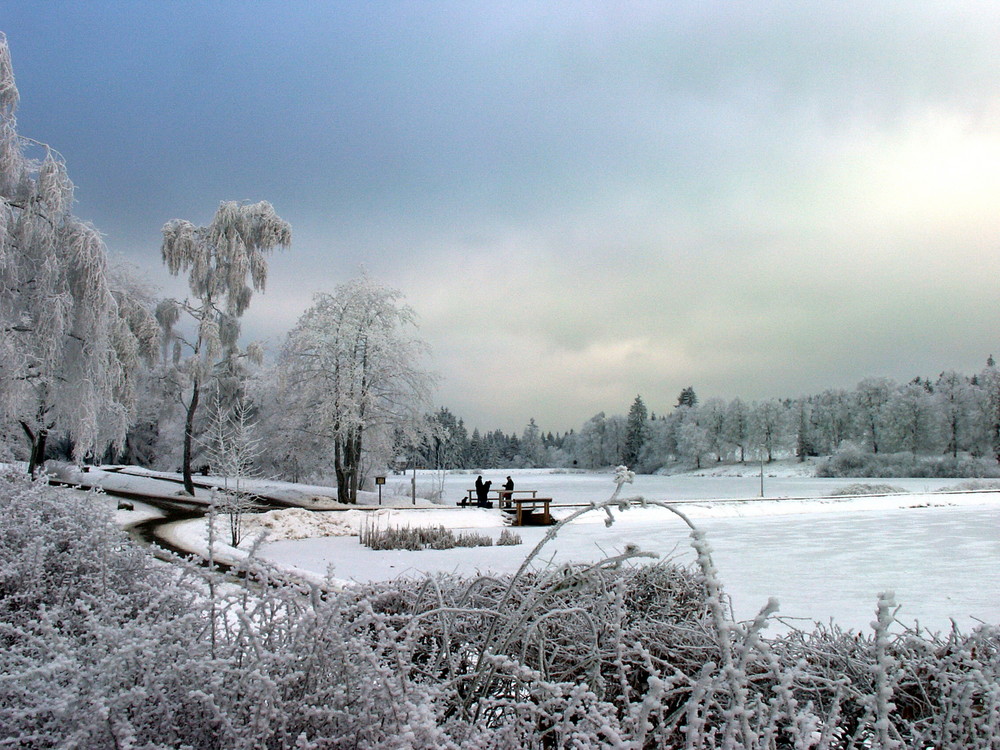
(473, 539)
(852, 461)
(864, 488)
(433, 537)
(508, 538)
(973, 485)
(101, 646)
(88, 622)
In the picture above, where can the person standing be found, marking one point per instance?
(482, 491)
(508, 491)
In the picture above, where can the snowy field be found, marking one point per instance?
(822, 559)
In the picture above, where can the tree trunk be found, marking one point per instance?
(38, 441)
(346, 460)
(343, 493)
(356, 466)
(189, 439)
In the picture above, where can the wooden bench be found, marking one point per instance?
(499, 493)
(524, 507)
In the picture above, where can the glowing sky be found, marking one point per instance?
(582, 201)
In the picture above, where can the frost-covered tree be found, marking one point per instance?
(234, 448)
(737, 426)
(661, 444)
(590, 442)
(955, 399)
(692, 437)
(532, 450)
(687, 397)
(910, 420)
(870, 399)
(447, 444)
(226, 262)
(989, 412)
(803, 429)
(712, 416)
(350, 368)
(70, 342)
(832, 415)
(768, 427)
(477, 450)
(600, 441)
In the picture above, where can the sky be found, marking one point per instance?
(581, 201)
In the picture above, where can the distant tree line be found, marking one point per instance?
(953, 415)
(447, 444)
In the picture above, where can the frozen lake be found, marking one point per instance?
(942, 562)
(821, 559)
(779, 482)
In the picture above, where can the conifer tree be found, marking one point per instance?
(636, 431)
(687, 397)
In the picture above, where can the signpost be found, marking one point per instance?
(379, 481)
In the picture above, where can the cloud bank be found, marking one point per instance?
(581, 201)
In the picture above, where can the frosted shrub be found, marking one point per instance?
(852, 461)
(508, 538)
(862, 488)
(973, 485)
(473, 539)
(423, 538)
(86, 618)
(406, 538)
(101, 646)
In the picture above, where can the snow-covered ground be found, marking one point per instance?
(821, 558)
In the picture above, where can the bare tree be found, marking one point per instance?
(234, 448)
(225, 262)
(351, 369)
(70, 342)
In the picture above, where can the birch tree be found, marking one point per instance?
(70, 342)
(351, 370)
(226, 263)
